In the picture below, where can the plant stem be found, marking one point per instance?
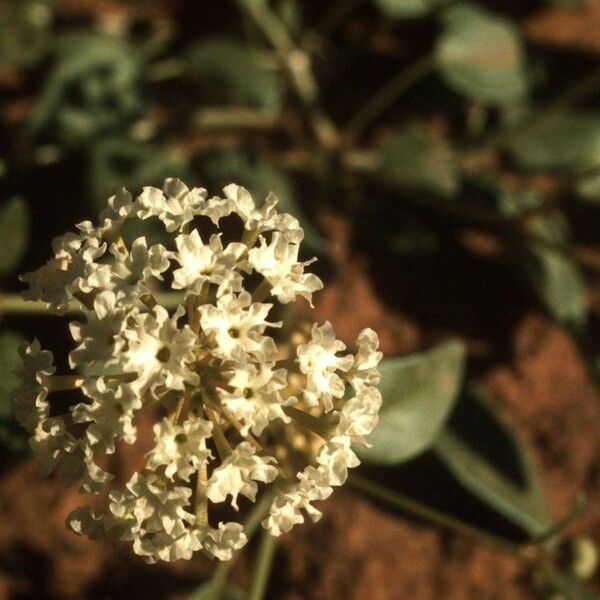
(219, 578)
(235, 118)
(386, 95)
(262, 566)
(434, 516)
(299, 69)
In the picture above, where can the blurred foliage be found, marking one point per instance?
(227, 72)
(25, 31)
(481, 55)
(92, 89)
(14, 234)
(416, 120)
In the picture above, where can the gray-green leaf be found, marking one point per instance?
(481, 55)
(560, 140)
(419, 392)
(417, 159)
(559, 284)
(232, 72)
(14, 233)
(522, 502)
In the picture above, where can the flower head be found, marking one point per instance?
(236, 407)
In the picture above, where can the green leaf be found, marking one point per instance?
(560, 140)
(559, 283)
(25, 31)
(481, 56)
(93, 88)
(417, 159)
(555, 277)
(494, 466)
(406, 9)
(568, 586)
(9, 362)
(232, 72)
(419, 392)
(14, 233)
(204, 592)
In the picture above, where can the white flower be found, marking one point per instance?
(238, 474)
(100, 337)
(31, 406)
(132, 270)
(262, 219)
(222, 542)
(57, 450)
(359, 415)
(176, 205)
(203, 264)
(209, 370)
(278, 263)
(364, 371)
(180, 449)
(110, 415)
(337, 457)
(319, 362)
(288, 509)
(255, 399)
(159, 351)
(238, 324)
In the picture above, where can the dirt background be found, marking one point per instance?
(360, 550)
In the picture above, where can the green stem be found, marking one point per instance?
(434, 516)
(219, 578)
(386, 96)
(235, 118)
(262, 566)
(298, 67)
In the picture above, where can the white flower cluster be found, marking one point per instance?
(233, 409)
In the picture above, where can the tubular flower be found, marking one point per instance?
(236, 408)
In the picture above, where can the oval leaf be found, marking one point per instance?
(418, 159)
(232, 67)
(559, 283)
(481, 465)
(14, 233)
(560, 140)
(481, 56)
(419, 392)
